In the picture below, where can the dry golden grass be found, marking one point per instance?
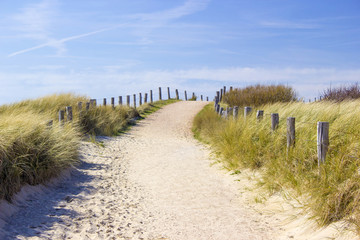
(251, 144)
(32, 152)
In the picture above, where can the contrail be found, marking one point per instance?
(63, 40)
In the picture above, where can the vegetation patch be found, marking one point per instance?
(249, 143)
(32, 152)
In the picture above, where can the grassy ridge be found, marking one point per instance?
(333, 196)
(32, 153)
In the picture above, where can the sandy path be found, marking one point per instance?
(154, 182)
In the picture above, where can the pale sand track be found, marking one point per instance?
(154, 182)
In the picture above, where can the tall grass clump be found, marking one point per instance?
(259, 95)
(332, 195)
(31, 152)
(342, 93)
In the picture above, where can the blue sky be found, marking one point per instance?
(106, 48)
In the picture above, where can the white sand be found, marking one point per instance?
(154, 182)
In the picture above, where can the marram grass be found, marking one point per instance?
(32, 152)
(334, 194)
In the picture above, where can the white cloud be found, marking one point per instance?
(309, 82)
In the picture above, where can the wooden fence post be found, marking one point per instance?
(69, 114)
(193, 97)
(322, 141)
(247, 111)
(140, 99)
(93, 102)
(151, 96)
(290, 133)
(61, 117)
(113, 102)
(231, 88)
(128, 100)
(134, 100)
(218, 95)
(120, 100)
(274, 121)
(221, 111)
(221, 94)
(145, 98)
(87, 106)
(207, 99)
(160, 93)
(177, 94)
(217, 109)
(185, 96)
(201, 97)
(235, 112)
(224, 90)
(168, 93)
(104, 102)
(259, 114)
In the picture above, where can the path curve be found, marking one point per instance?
(154, 182)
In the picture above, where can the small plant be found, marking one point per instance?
(342, 93)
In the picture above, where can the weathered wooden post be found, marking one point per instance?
(201, 98)
(120, 100)
(259, 114)
(61, 117)
(224, 90)
(221, 94)
(145, 98)
(216, 102)
(168, 93)
(140, 99)
(93, 102)
(104, 102)
(193, 97)
(274, 121)
(160, 93)
(134, 95)
(235, 112)
(87, 106)
(79, 106)
(151, 96)
(69, 114)
(185, 96)
(218, 109)
(113, 102)
(218, 95)
(290, 133)
(247, 111)
(231, 88)
(207, 99)
(128, 100)
(221, 111)
(177, 94)
(322, 141)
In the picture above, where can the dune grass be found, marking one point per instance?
(31, 152)
(258, 95)
(331, 196)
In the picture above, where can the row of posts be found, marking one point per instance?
(92, 102)
(322, 127)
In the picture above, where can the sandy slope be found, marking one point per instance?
(155, 182)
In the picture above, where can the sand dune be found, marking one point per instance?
(154, 182)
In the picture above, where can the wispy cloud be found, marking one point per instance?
(289, 25)
(105, 81)
(37, 25)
